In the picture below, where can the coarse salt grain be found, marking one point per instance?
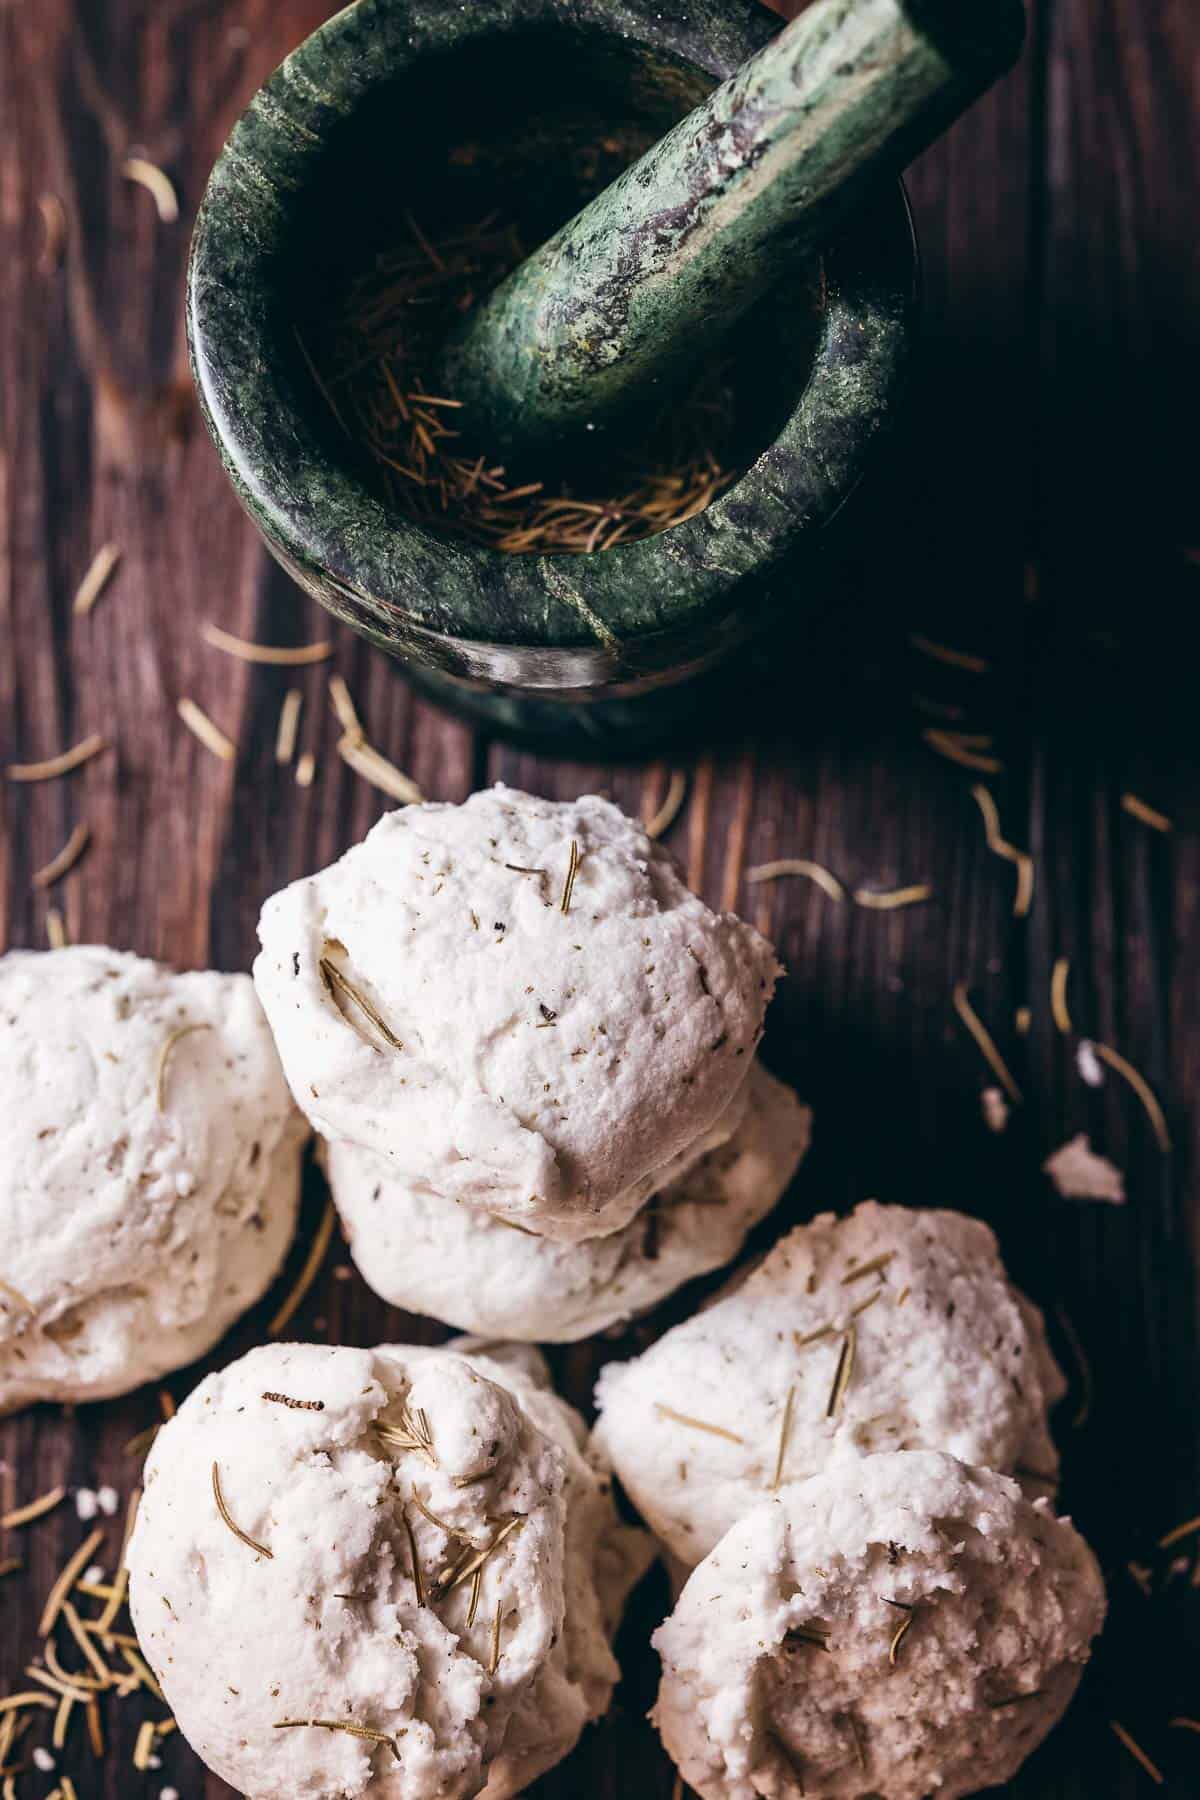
(1088, 1064)
(109, 1501)
(169, 1794)
(43, 1760)
(87, 1504)
(94, 1576)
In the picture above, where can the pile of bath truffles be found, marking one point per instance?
(852, 1444)
(530, 1056)
(409, 1583)
(151, 1169)
(530, 1052)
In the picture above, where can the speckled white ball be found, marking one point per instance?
(785, 1672)
(938, 1351)
(428, 1255)
(150, 1174)
(532, 1052)
(341, 1464)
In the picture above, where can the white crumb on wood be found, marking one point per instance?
(995, 1108)
(1079, 1174)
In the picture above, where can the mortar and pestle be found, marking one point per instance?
(705, 184)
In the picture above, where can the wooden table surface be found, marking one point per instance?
(1043, 516)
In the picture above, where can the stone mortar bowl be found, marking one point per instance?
(445, 111)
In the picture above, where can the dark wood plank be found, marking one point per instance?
(1034, 516)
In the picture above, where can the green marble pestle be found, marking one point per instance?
(588, 336)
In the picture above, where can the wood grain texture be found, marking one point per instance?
(1038, 513)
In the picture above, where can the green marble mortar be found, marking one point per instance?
(438, 109)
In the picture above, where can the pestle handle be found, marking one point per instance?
(594, 327)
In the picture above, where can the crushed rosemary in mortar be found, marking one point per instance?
(368, 360)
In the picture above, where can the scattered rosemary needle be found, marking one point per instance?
(1184, 1724)
(1189, 1528)
(202, 727)
(339, 982)
(1142, 1089)
(902, 1629)
(476, 1584)
(797, 865)
(843, 1372)
(785, 1431)
(897, 897)
(296, 1405)
(1149, 815)
(957, 659)
(427, 1512)
(224, 1512)
(33, 1509)
(1000, 846)
(56, 931)
(668, 1412)
(376, 768)
(1058, 995)
(282, 656)
(288, 728)
(411, 1432)
(306, 768)
(564, 905)
(157, 183)
(65, 861)
(876, 1266)
(494, 1664)
(359, 1731)
(668, 812)
(857, 1311)
(54, 237)
(164, 1060)
(418, 1584)
(68, 1576)
(308, 1273)
(99, 573)
(979, 1032)
(467, 1569)
(345, 709)
(952, 745)
(62, 764)
(1135, 1750)
(812, 1337)
(10, 1565)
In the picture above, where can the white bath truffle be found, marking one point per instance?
(914, 1311)
(430, 1256)
(467, 1671)
(150, 1174)
(536, 1046)
(898, 1626)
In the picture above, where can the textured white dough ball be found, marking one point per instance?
(428, 1255)
(942, 1354)
(783, 1674)
(532, 1062)
(150, 1174)
(328, 1458)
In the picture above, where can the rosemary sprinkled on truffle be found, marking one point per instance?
(843, 1372)
(7, 1292)
(164, 1060)
(876, 1266)
(418, 1584)
(338, 982)
(359, 1731)
(296, 1405)
(668, 1412)
(494, 1663)
(224, 1512)
(476, 1584)
(411, 1432)
(785, 1431)
(455, 1577)
(902, 1629)
(573, 861)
